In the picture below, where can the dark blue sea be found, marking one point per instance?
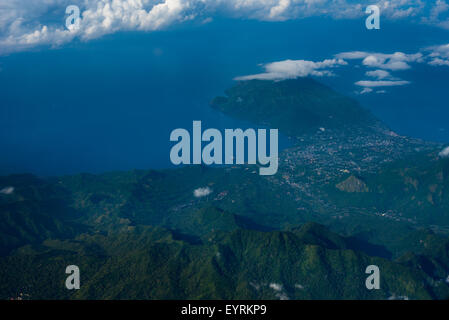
(110, 104)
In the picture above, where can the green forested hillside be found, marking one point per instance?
(295, 106)
(149, 263)
(349, 193)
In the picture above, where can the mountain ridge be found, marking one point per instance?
(145, 234)
(295, 107)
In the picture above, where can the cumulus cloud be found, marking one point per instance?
(439, 55)
(7, 190)
(383, 64)
(279, 10)
(438, 15)
(366, 90)
(25, 24)
(379, 74)
(276, 286)
(299, 286)
(381, 83)
(444, 153)
(98, 18)
(279, 289)
(380, 67)
(395, 61)
(112, 16)
(439, 7)
(439, 62)
(291, 69)
(28, 23)
(202, 192)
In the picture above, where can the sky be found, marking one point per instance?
(29, 23)
(105, 96)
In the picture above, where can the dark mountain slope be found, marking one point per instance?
(148, 263)
(294, 106)
(240, 239)
(35, 210)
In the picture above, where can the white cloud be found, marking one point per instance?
(202, 192)
(382, 63)
(436, 16)
(279, 9)
(385, 63)
(299, 286)
(28, 23)
(400, 9)
(282, 296)
(381, 83)
(439, 7)
(440, 51)
(439, 55)
(279, 289)
(444, 24)
(99, 17)
(379, 74)
(444, 154)
(111, 16)
(352, 55)
(395, 61)
(291, 69)
(42, 36)
(7, 190)
(439, 62)
(276, 286)
(366, 90)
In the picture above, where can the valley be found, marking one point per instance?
(348, 193)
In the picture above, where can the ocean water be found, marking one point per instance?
(110, 104)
